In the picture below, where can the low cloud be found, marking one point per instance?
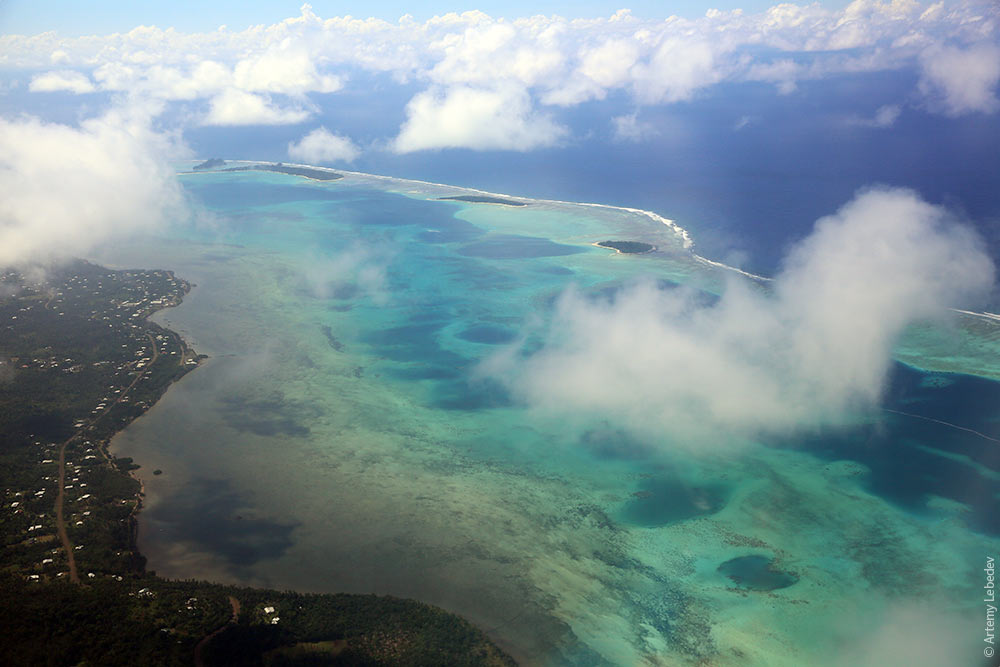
(66, 190)
(359, 270)
(959, 81)
(322, 146)
(912, 634)
(885, 116)
(818, 344)
(237, 107)
(482, 119)
(630, 129)
(68, 81)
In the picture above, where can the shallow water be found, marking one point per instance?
(339, 439)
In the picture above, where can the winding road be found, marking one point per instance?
(67, 544)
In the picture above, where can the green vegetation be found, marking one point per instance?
(627, 247)
(484, 199)
(78, 362)
(212, 163)
(307, 172)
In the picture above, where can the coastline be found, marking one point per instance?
(188, 353)
(104, 494)
(618, 251)
(378, 489)
(686, 241)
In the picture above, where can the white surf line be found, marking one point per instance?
(984, 315)
(720, 265)
(686, 242)
(943, 423)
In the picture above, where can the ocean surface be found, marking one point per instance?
(342, 438)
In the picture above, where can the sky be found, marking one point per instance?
(652, 96)
(338, 84)
(74, 18)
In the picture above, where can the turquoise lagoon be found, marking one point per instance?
(339, 438)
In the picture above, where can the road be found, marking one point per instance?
(74, 575)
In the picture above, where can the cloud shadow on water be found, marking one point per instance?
(218, 520)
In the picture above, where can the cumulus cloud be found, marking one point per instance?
(63, 80)
(237, 107)
(283, 70)
(961, 81)
(678, 68)
(483, 119)
(815, 346)
(66, 190)
(552, 60)
(322, 146)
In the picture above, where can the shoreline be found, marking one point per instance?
(600, 244)
(111, 575)
(686, 242)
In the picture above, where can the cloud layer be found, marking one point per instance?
(483, 119)
(961, 81)
(508, 71)
(818, 345)
(66, 190)
(322, 146)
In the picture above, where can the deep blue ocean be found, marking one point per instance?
(745, 169)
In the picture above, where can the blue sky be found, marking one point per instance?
(72, 18)
(631, 109)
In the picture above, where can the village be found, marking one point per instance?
(84, 332)
(79, 360)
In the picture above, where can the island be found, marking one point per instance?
(212, 163)
(627, 247)
(484, 199)
(278, 167)
(79, 361)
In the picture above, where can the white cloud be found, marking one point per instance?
(911, 634)
(69, 81)
(321, 146)
(481, 119)
(677, 69)
(360, 268)
(236, 107)
(885, 116)
(601, 68)
(629, 128)
(819, 344)
(67, 190)
(555, 60)
(283, 70)
(782, 73)
(961, 81)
